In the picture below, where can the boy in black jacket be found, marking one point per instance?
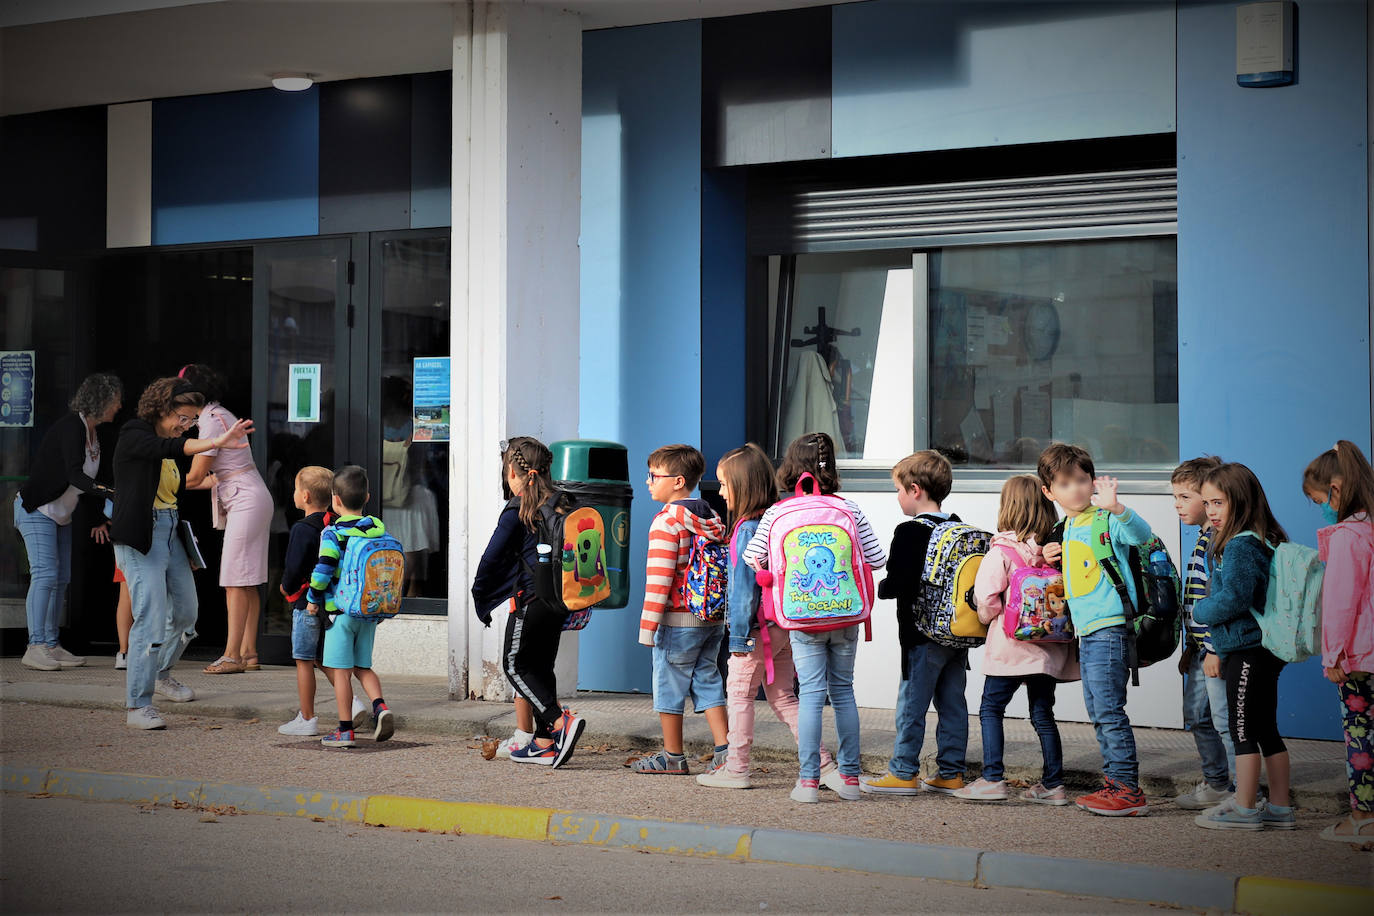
(314, 486)
(929, 670)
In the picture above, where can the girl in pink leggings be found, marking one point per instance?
(747, 486)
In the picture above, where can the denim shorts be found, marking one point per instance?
(307, 644)
(685, 663)
(348, 643)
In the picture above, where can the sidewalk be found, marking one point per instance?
(1168, 757)
(63, 733)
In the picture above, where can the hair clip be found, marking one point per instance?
(505, 446)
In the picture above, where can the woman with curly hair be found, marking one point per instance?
(64, 471)
(242, 507)
(147, 546)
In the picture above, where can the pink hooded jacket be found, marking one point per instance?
(1347, 549)
(1002, 655)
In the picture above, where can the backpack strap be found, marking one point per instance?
(766, 597)
(815, 485)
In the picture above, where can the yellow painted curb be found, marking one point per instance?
(469, 817)
(1281, 897)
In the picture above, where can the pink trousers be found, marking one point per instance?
(746, 673)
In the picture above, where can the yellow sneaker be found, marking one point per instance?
(887, 784)
(942, 785)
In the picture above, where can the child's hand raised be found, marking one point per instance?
(1104, 495)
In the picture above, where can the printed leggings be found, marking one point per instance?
(1252, 695)
(1357, 695)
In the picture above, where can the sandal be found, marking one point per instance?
(253, 665)
(660, 764)
(224, 665)
(1361, 831)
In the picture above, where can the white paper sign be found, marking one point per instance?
(303, 395)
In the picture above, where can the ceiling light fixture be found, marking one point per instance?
(292, 82)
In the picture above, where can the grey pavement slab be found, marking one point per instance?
(1168, 759)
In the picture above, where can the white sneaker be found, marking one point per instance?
(174, 690)
(805, 791)
(721, 778)
(65, 658)
(1201, 798)
(361, 711)
(300, 726)
(983, 790)
(145, 717)
(514, 742)
(121, 661)
(39, 658)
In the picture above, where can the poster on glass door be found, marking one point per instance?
(16, 388)
(431, 399)
(303, 400)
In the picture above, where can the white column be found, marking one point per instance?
(517, 110)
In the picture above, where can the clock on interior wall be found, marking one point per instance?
(1041, 331)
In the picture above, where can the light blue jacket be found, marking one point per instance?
(742, 596)
(1093, 600)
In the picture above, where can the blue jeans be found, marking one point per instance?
(934, 672)
(1204, 714)
(825, 664)
(1102, 658)
(165, 607)
(49, 546)
(997, 693)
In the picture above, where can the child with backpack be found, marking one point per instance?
(507, 571)
(931, 670)
(1094, 553)
(1204, 689)
(686, 646)
(348, 637)
(1246, 534)
(1007, 578)
(1341, 482)
(821, 563)
(760, 653)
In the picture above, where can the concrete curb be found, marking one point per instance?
(1195, 889)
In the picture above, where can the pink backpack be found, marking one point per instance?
(1035, 608)
(816, 578)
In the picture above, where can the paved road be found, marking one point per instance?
(450, 767)
(75, 856)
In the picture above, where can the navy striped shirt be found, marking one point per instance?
(1196, 584)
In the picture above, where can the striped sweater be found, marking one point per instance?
(333, 543)
(670, 543)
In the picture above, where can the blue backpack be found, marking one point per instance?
(371, 572)
(703, 587)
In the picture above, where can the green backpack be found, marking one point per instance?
(1291, 625)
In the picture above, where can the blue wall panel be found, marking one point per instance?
(237, 165)
(641, 283)
(1273, 272)
(909, 77)
(723, 301)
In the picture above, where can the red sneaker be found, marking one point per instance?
(1114, 799)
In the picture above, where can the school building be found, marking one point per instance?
(979, 226)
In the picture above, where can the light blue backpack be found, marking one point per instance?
(1291, 625)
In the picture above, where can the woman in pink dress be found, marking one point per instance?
(242, 506)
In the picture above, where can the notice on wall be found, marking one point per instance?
(16, 388)
(303, 398)
(431, 399)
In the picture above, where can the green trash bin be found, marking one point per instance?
(598, 473)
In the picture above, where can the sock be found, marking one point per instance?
(345, 725)
(722, 748)
(718, 759)
(378, 705)
(671, 756)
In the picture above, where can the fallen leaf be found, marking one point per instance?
(104, 745)
(209, 819)
(554, 897)
(212, 728)
(41, 795)
(254, 721)
(318, 820)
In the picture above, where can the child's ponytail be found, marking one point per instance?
(531, 460)
(1346, 465)
(814, 454)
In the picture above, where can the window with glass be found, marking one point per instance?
(987, 353)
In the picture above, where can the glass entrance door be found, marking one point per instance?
(302, 305)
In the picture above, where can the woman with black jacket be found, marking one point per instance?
(147, 546)
(64, 472)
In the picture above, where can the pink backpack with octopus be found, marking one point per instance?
(816, 578)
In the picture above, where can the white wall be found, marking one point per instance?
(1156, 702)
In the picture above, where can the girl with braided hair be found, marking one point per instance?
(546, 731)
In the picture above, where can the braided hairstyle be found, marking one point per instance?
(531, 460)
(814, 454)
